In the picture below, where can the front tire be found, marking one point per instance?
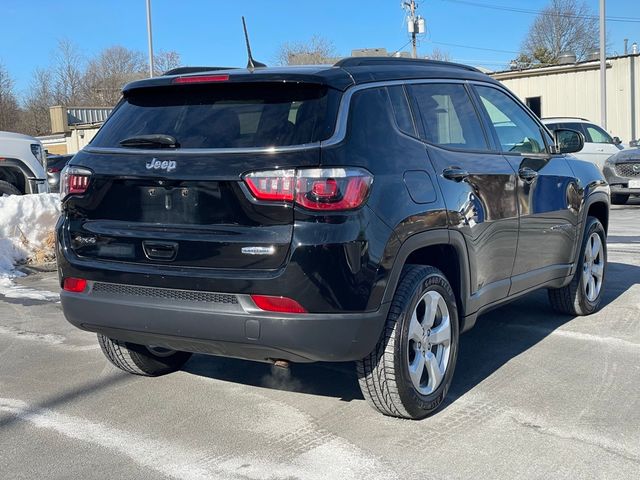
(583, 295)
(619, 199)
(409, 372)
(7, 188)
(140, 359)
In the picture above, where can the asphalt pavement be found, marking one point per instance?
(535, 395)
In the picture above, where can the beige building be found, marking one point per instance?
(573, 90)
(73, 128)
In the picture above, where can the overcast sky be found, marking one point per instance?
(209, 32)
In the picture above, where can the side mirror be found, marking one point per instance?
(568, 141)
(633, 143)
(617, 141)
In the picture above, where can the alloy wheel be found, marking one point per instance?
(429, 342)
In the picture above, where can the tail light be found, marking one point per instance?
(319, 189)
(277, 304)
(74, 181)
(275, 185)
(75, 285)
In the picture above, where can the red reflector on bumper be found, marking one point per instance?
(277, 304)
(75, 285)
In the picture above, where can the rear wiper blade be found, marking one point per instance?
(157, 140)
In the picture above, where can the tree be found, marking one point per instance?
(562, 26)
(316, 51)
(437, 54)
(9, 110)
(164, 61)
(68, 74)
(36, 119)
(107, 73)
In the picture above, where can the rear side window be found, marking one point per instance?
(225, 116)
(448, 116)
(516, 130)
(595, 134)
(401, 110)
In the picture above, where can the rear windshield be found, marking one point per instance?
(225, 116)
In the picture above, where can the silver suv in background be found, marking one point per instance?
(22, 166)
(622, 172)
(598, 144)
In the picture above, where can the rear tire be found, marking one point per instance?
(8, 189)
(139, 359)
(583, 295)
(409, 372)
(619, 199)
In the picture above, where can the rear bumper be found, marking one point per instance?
(224, 328)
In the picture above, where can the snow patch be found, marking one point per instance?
(26, 230)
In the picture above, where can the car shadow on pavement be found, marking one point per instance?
(507, 332)
(336, 380)
(498, 337)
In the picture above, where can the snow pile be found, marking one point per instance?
(26, 230)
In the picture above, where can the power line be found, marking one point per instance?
(541, 12)
(474, 48)
(400, 49)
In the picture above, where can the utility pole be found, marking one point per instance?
(413, 33)
(603, 66)
(150, 38)
(415, 24)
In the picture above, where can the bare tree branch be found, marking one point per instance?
(9, 111)
(165, 60)
(107, 73)
(68, 73)
(562, 26)
(316, 51)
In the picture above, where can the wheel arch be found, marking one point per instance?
(599, 208)
(443, 249)
(17, 173)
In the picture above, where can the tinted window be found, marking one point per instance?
(401, 110)
(225, 116)
(448, 116)
(516, 130)
(595, 134)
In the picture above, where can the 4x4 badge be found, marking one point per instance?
(155, 164)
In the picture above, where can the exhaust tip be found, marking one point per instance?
(281, 363)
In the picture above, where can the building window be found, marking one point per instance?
(535, 105)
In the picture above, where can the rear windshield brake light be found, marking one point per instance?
(201, 79)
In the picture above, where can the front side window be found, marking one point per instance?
(448, 116)
(516, 130)
(595, 134)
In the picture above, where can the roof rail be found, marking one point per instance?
(567, 117)
(418, 62)
(184, 70)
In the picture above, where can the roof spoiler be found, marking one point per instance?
(186, 70)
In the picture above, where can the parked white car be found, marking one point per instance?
(598, 144)
(22, 165)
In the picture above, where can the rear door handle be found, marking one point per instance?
(455, 173)
(527, 174)
(165, 251)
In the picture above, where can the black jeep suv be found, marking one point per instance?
(366, 211)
